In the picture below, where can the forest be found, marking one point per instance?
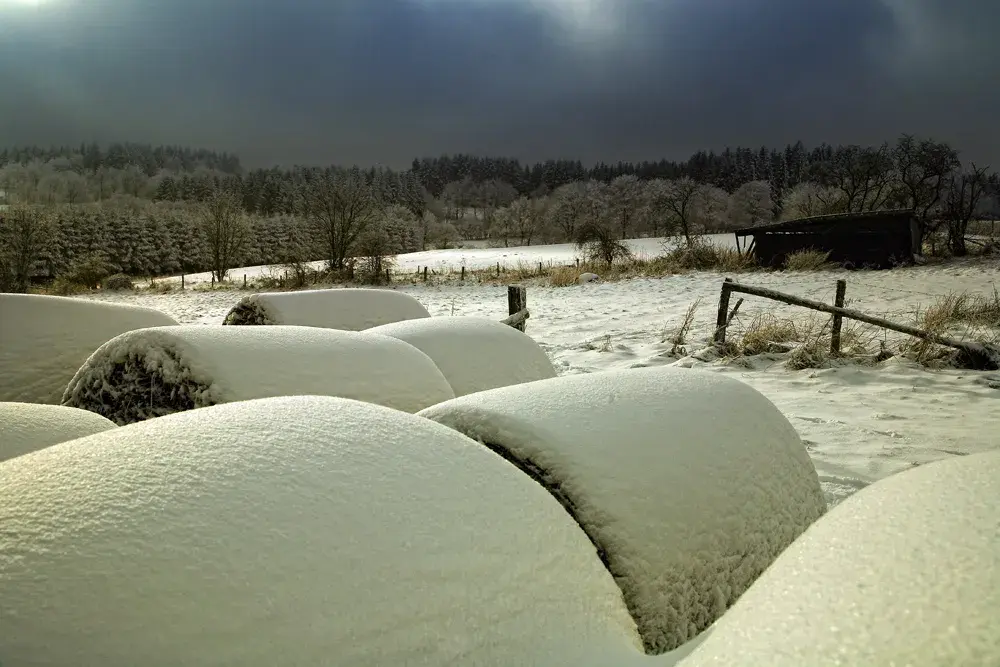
(141, 210)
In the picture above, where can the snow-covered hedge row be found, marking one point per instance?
(158, 371)
(904, 572)
(475, 354)
(689, 483)
(350, 309)
(295, 531)
(26, 427)
(45, 339)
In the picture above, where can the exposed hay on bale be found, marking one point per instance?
(45, 339)
(350, 309)
(295, 531)
(159, 371)
(689, 483)
(475, 354)
(27, 427)
(904, 572)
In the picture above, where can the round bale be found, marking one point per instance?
(350, 309)
(158, 371)
(689, 483)
(474, 353)
(302, 531)
(904, 572)
(26, 427)
(45, 339)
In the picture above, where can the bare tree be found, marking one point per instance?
(227, 232)
(864, 176)
(924, 169)
(566, 208)
(751, 205)
(24, 232)
(961, 204)
(343, 206)
(691, 207)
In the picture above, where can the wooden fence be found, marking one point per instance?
(973, 355)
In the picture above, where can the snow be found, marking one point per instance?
(349, 309)
(859, 423)
(474, 353)
(906, 572)
(45, 339)
(295, 531)
(471, 256)
(26, 427)
(689, 482)
(185, 367)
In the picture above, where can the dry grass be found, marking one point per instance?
(678, 336)
(808, 260)
(962, 316)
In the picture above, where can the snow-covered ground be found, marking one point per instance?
(859, 423)
(474, 255)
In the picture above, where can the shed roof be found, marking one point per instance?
(823, 222)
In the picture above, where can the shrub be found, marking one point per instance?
(89, 271)
(63, 286)
(118, 282)
(808, 260)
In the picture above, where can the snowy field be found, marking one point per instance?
(859, 423)
(474, 255)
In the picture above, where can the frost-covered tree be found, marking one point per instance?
(809, 199)
(692, 208)
(24, 233)
(751, 205)
(342, 205)
(625, 197)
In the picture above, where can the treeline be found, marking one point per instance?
(176, 220)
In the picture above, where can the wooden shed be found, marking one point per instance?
(874, 239)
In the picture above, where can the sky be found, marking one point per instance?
(383, 81)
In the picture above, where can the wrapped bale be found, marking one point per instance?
(904, 572)
(473, 353)
(350, 309)
(26, 427)
(154, 372)
(295, 531)
(689, 483)
(45, 339)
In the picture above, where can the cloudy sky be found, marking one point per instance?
(382, 81)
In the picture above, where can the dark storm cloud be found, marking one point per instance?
(384, 80)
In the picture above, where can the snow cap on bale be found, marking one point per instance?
(689, 483)
(295, 531)
(45, 339)
(350, 309)
(154, 372)
(474, 353)
(27, 427)
(904, 572)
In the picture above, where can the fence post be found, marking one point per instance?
(388, 276)
(425, 274)
(244, 281)
(463, 274)
(498, 269)
(213, 282)
(721, 319)
(539, 268)
(517, 300)
(838, 320)
(182, 281)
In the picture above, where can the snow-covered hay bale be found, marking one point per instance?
(688, 483)
(474, 353)
(588, 278)
(348, 309)
(45, 339)
(904, 572)
(295, 531)
(154, 372)
(26, 427)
